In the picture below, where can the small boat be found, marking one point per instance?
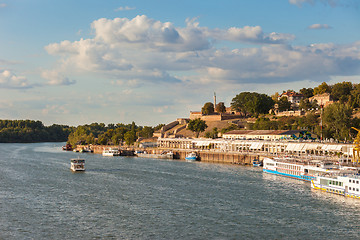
(257, 163)
(77, 164)
(111, 152)
(67, 147)
(85, 150)
(191, 157)
(163, 155)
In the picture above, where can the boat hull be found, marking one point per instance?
(301, 177)
(190, 159)
(159, 156)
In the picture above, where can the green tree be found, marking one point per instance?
(146, 132)
(208, 108)
(322, 88)
(158, 127)
(220, 107)
(197, 125)
(337, 120)
(252, 103)
(264, 124)
(307, 92)
(284, 104)
(130, 137)
(341, 91)
(212, 134)
(355, 96)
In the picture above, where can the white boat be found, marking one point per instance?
(163, 155)
(297, 168)
(77, 164)
(344, 184)
(191, 157)
(111, 152)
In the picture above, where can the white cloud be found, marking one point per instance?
(319, 26)
(126, 8)
(142, 50)
(10, 80)
(56, 78)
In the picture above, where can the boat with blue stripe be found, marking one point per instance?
(298, 169)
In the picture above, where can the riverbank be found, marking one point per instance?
(241, 158)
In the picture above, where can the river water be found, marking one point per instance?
(137, 198)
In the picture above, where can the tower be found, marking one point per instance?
(214, 102)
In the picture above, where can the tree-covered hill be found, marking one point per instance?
(29, 131)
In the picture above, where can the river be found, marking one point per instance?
(138, 198)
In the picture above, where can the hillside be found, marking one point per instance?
(211, 124)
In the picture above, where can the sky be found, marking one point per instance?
(117, 61)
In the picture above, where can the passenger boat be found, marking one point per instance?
(77, 164)
(163, 155)
(344, 184)
(296, 168)
(111, 152)
(191, 157)
(257, 163)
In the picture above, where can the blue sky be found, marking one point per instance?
(78, 62)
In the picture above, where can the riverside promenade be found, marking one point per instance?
(241, 152)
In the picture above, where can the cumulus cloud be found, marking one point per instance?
(319, 26)
(144, 50)
(126, 8)
(10, 80)
(250, 34)
(56, 78)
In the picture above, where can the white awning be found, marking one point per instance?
(334, 148)
(256, 145)
(311, 146)
(290, 147)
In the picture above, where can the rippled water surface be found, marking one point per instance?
(137, 198)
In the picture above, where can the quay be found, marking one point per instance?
(241, 152)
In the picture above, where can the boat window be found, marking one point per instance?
(349, 180)
(357, 182)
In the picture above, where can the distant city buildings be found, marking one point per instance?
(293, 97)
(322, 99)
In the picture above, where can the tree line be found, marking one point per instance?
(29, 131)
(111, 134)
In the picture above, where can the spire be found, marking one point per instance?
(214, 102)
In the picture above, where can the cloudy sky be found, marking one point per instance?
(77, 62)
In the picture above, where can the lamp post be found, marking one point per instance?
(321, 121)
